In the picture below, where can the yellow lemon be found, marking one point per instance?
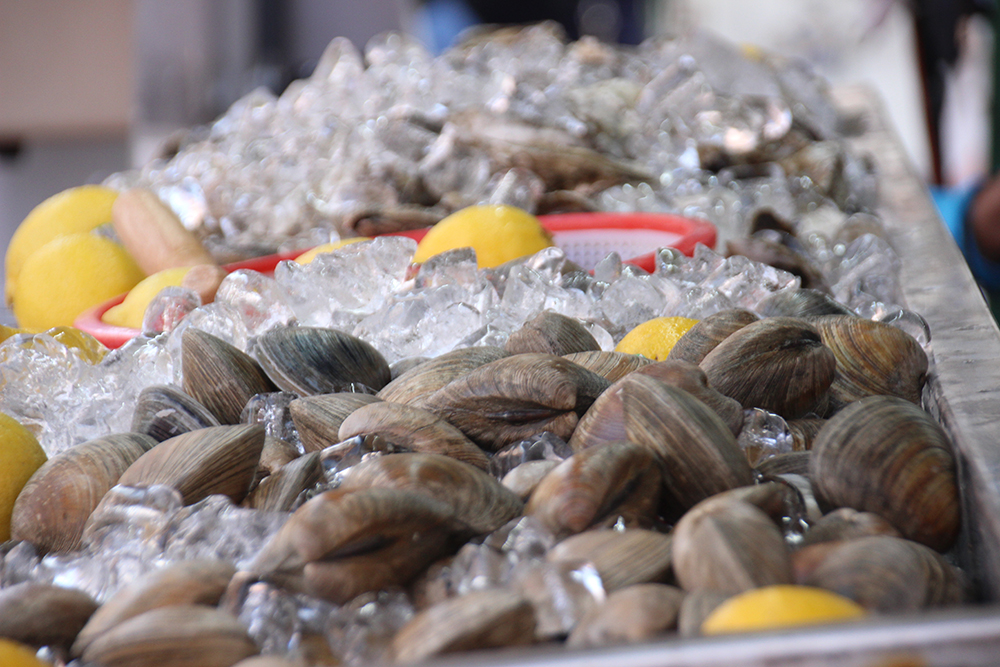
(71, 211)
(6, 332)
(310, 255)
(497, 233)
(90, 349)
(15, 654)
(130, 311)
(781, 606)
(20, 457)
(655, 338)
(68, 275)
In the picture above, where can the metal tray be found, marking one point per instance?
(963, 392)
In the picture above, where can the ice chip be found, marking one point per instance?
(764, 435)
(165, 312)
(260, 300)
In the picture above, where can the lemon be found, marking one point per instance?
(655, 338)
(20, 457)
(6, 332)
(89, 348)
(68, 275)
(497, 233)
(79, 209)
(310, 255)
(15, 654)
(782, 606)
(130, 311)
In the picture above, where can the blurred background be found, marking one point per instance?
(90, 87)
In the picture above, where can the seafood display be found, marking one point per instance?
(363, 461)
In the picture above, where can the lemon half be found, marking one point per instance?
(497, 233)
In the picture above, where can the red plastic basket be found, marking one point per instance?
(586, 238)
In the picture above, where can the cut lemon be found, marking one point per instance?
(655, 338)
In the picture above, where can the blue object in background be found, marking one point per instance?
(953, 205)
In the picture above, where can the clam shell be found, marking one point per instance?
(53, 507)
(796, 463)
(873, 358)
(730, 547)
(612, 366)
(516, 397)
(800, 303)
(629, 615)
(411, 428)
(220, 459)
(340, 544)
(162, 411)
(477, 499)
(622, 558)
(523, 479)
(314, 360)
(803, 432)
(695, 608)
(181, 635)
(279, 491)
(885, 455)
(318, 418)
(599, 486)
(692, 379)
(702, 338)
(275, 454)
(889, 574)
(483, 619)
(413, 387)
(220, 376)
(551, 333)
(200, 582)
(779, 364)
(847, 524)
(40, 614)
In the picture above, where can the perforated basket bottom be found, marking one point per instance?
(587, 247)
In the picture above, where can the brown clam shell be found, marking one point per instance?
(525, 478)
(612, 366)
(186, 634)
(885, 455)
(779, 364)
(800, 302)
(411, 428)
(476, 498)
(730, 547)
(53, 507)
(873, 358)
(889, 574)
(702, 338)
(695, 608)
(490, 618)
(316, 360)
(629, 615)
(40, 614)
(278, 491)
(692, 379)
(794, 463)
(516, 397)
(622, 558)
(162, 411)
(599, 487)
(412, 387)
(318, 418)
(220, 376)
(551, 333)
(220, 459)
(847, 524)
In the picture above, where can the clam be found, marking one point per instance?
(411, 428)
(279, 491)
(483, 619)
(40, 614)
(516, 397)
(340, 544)
(318, 418)
(405, 365)
(52, 508)
(729, 546)
(885, 455)
(695, 608)
(889, 574)
(413, 387)
(199, 581)
(801, 303)
(779, 364)
(692, 379)
(622, 558)
(612, 366)
(523, 479)
(220, 376)
(796, 463)
(162, 411)
(702, 338)
(697, 451)
(847, 524)
(551, 333)
(264, 661)
(600, 486)
(186, 635)
(630, 614)
(804, 431)
(476, 499)
(275, 454)
(314, 360)
(873, 358)
(220, 459)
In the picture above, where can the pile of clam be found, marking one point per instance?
(394, 471)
